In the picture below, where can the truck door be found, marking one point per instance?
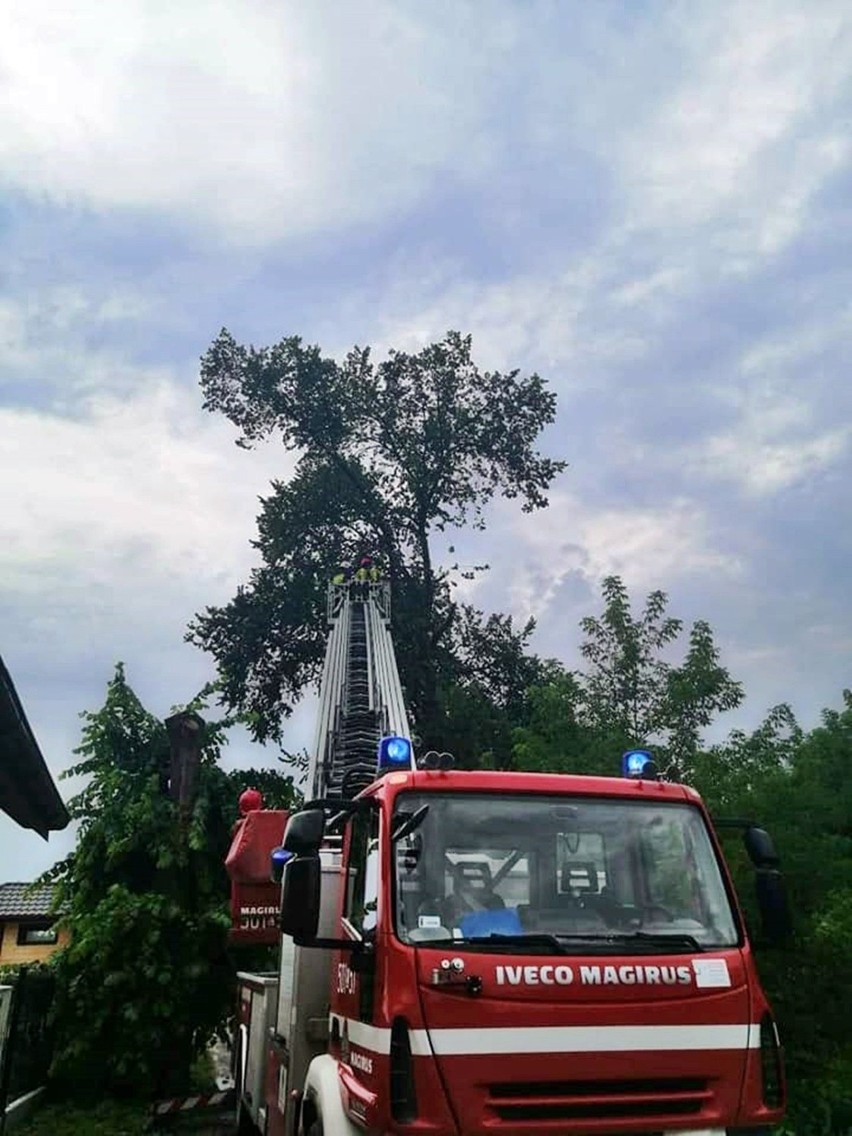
(360, 901)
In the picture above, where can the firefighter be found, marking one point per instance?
(362, 574)
(343, 575)
(369, 574)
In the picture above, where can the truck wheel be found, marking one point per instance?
(245, 1125)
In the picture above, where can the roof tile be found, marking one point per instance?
(16, 903)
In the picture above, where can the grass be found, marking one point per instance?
(109, 1118)
(202, 1077)
(106, 1119)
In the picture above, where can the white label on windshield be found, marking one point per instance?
(428, 920)
(711, 972)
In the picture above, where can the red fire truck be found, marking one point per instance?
(474, 953)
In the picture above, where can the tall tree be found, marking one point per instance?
(146, 977)
(629, 694)
(631, 689)
(389, 455)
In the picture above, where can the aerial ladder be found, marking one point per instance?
(283, 1018)
(361, 698)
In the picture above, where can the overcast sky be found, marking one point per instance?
(649, 203)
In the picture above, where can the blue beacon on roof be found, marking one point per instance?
(637, 762)
(394, 753)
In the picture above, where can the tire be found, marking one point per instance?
(245, 1125)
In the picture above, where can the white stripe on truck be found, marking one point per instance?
(555, 1039)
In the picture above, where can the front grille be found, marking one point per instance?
(598, 1100)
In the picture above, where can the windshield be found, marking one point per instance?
(570, 875)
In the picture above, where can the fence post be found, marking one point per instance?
(11, 1030)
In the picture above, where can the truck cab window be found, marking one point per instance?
(362, 888)
(490, 864)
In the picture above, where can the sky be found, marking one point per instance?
(646, 202)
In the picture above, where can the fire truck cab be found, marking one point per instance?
(471, 953)
(524, 953)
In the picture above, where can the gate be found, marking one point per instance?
(26, 1054)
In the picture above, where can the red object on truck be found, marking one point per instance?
(255, 896)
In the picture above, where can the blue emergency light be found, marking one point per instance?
(639, 763)
(278, 858)
(394, 753)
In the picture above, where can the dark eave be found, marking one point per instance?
(27, 791)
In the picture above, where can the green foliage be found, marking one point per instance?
(626, 683)
(390, 454)
(108, 1118)
(798, 784)
(202, 1074)
(558, 735)
(630, 693)
(146, 978)
(10, 972)
(485, 691)
(277, 788)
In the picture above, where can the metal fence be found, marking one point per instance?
(27, 1049)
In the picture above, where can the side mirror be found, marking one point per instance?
(760, 848)
(304, 832)
(773, 905)
(300, 896)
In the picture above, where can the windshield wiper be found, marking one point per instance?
(678, 939)
(533, 939)
(407, 823)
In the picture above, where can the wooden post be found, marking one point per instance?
(186, 732)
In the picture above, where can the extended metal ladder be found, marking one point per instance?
(361, 697)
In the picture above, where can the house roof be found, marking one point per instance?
(16, 904)
(27, 791)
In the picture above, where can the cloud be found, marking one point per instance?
(754, 456)
(136, 488)
(52, 343)
(126, 508)
(747, 137)
(671, 542)
(250, 119)
(263, 123)
(786, 405)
